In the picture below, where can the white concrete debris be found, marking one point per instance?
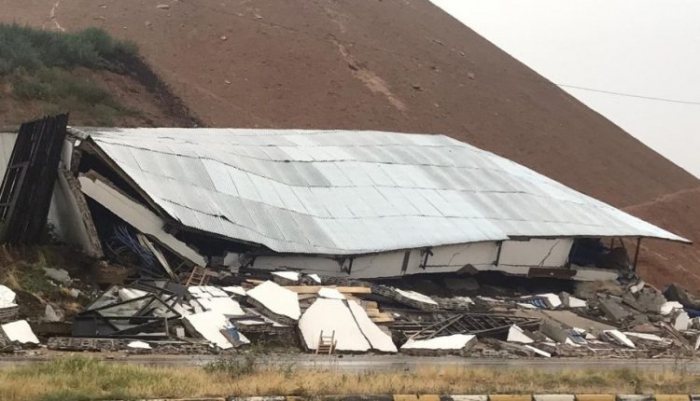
(697, 342)
(291, 276)
(573, 302)
(378, 339)
(315, 277)
(527, 306)
(235, 290)
(332, 317)
(60, 276)
(330, 293)
(277, 299)
(668, 307)
(619, 337)
(20, 332)
(648, 337)
(553, 300)
(223, 305)
(538, 351)
(139, 345)
(681, 322)
(416, 296)
(637, 287)
(209, 326)
(453, 342)
(517, 335)
(50, 314)
(7, 297)
(127, 294)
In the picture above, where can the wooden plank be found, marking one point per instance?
(303, 297)
(382, 319)
(370, 304)
(312, 289)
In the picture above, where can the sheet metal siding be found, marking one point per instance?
(352, 192)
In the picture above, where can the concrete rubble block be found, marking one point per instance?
(637, 287)
(281, 302)
(416, 299)
(669, 307)
(617, 337)
(518, 335)
(554, 330)
(19, 332)
(648, 338)
(60, 276)
(538, 351)
(681, 322)
(52, 314)
(651, 300)
(614, 310)
(553, 397)
(444, 345)
(571, 302)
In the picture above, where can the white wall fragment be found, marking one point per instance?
(223, 305)
(517, 335)
(332, 316)
(454, 342)
(538, 351)
(277, 299)
(620, 338)
(209, 326)
(20, 332)
(416, 296)
(315, 277)
(330, 293)
(668, 307)
(681, 322)
(235, 290)
(138, 345)
(291, 276)
(378, 339)
(7, 297)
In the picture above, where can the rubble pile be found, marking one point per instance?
(228, 312)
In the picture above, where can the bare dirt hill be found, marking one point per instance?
(662, 262)
(400, 65)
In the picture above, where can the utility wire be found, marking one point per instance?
(658, 99)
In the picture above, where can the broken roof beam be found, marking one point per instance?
(137, 215)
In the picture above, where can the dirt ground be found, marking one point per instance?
(400, 65)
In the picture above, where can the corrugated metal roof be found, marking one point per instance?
(352, 192)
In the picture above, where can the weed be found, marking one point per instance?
(233, 367)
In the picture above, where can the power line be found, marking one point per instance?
(658, 99)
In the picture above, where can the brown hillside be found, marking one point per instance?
(400, 65)
(662, 262)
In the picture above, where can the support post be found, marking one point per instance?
(636, 254)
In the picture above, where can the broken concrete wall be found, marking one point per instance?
(536, 252)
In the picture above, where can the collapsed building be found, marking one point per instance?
(337, 205)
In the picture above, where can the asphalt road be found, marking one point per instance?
(397, 362)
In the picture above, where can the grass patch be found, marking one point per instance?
(40, 66)
(31, 49)
(79, 378)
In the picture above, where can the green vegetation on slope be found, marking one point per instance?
(43, 66)
(79, 378)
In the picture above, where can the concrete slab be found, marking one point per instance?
(20, 332)
(451, 343)
(332, 316)
(378, 339)
(277, 299)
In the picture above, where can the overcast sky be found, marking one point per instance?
(649, 48)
